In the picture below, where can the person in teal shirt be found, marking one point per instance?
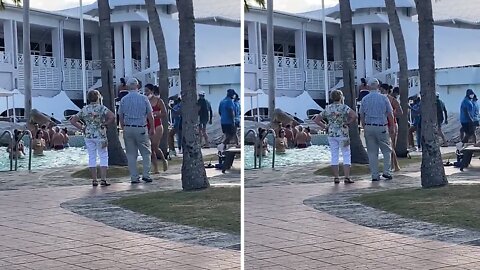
(226, 110)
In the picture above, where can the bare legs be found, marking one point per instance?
(103, 173)
(156, 152)
(336, 173)
(203, 133)
(395, 166)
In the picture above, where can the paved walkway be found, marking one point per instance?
(283, 233)
(36, 233)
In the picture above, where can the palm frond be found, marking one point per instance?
(246, 6)
(15, 2)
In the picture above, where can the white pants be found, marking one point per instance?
(336, 143)
(94, 146)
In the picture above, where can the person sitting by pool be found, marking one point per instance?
(17, 149)
(301, 138)
(58, 140)
(66, 139)
(289, 136)
(38, 144)
(309, 136)
(339, 117)
(262, 146)
(281, 143)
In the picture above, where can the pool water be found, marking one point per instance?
(292, 157)
(72, 156)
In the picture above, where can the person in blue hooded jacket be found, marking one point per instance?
(468, 112)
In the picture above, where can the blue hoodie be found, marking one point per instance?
(468, 109)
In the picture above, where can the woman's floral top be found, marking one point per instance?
(94, 115)
(336, 115)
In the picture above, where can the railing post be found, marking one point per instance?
(272, 131)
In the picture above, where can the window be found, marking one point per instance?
(34, 48)
(291, 51)
(278, 49)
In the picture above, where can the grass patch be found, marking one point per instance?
(362, 169)
(453, 205)
(122, 171)
(215, 208)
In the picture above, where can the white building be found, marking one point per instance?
(299, 49)
(56, 53)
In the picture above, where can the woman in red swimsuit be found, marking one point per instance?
(397, 111)
(159, 112)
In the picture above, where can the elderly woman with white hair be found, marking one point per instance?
(96, 118)
(339, 116)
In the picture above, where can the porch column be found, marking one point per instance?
(360, 54)
(153, 51)
(9, 37)
(15, 44)
(94, 43)
(127, 49)
(259, 45)
(119, 71)
(368, 51)
(393, 53)
(337, 49)
(56, 50)
(253, 41)
(143, 47)
(384, 45)
(301, 53)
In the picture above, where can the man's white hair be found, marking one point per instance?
(373, 82)
(132, 84)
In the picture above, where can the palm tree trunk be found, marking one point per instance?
(193, 170)
(432, 170)
(270, 62)
(116, 155)
(27, 59)
(163, 84)
(359, 155)
(396, 28)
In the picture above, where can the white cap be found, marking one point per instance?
(201, 93)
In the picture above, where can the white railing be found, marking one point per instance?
(5, 58)
(249, 59)
(136, 65)
(173, 81)
(377, 65)
(39, 61)
(413, 81)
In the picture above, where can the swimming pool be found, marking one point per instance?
(312, 154)
(72, 156)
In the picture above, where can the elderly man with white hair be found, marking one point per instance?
(134, 111)
(375, 114)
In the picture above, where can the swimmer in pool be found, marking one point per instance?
(58, 139)
(289, 136)
(281, 143)
(64, 132)
(38, 144)
(309, 136)
(301, 138)
(18, 148)
(262, 147)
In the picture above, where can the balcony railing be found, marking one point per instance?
(249, 59)
(5, 58)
